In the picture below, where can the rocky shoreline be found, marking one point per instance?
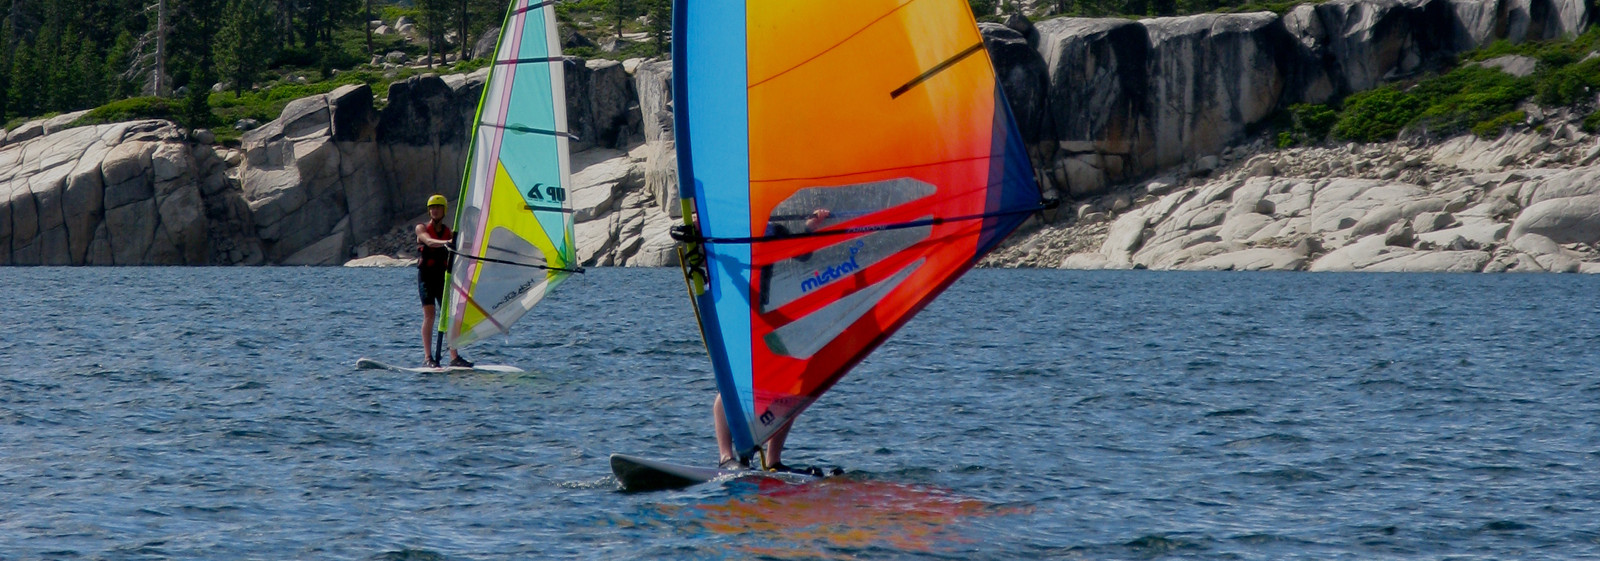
(1528, 201)
(335, 178)
(1165, 171)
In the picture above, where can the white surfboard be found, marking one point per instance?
(641, 474)
(369, 364)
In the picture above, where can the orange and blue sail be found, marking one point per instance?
(841, 163)
(513, 223)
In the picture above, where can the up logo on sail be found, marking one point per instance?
(822, 277)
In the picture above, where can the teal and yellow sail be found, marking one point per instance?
(513, 223)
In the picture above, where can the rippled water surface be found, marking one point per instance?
(216, 414)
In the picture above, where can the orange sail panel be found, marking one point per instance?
(847, 162)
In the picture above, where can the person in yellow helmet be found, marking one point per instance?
(434, 241)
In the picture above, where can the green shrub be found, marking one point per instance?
(1287, 139)
(1591, 124)
(19, 121)
(567, 11)
(1306, 124)
(296, 56)
(1500, 47)
(129, 110)
(1376, 115)
(1552, 53)
(470, 65)
(1469, 95)
(1477, 98)
(1492, 128)
(1279, 7)
(390, 14)
(1555, 56)
(1569, 84)
(1314, 120)
(982, 9)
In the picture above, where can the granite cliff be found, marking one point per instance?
(335, 177)
(1124, 99)
(1119, 115)
(1525, 202)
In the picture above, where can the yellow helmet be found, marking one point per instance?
(437, 200)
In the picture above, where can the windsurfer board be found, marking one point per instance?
(369, 364)
(641, 474)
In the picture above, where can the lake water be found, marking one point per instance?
(215, 413)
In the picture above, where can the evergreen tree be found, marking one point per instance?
(10, 21)
(623, 10)
(433, 21)
(27, 82)
(116, 63)
(86, 72)
(660, 12)
(244, 44)
(983, 8)
(461, 29)
(193, 35)
(485, 14)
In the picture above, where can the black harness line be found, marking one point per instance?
(579, 270)
(688, 235)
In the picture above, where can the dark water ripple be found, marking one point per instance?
(214, 414)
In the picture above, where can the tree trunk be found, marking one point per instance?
(161, 47)
(10, 27)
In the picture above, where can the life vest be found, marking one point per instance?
(434, 257)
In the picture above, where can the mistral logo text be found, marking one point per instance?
(822, 277)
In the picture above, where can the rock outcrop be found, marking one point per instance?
(624, 191)
(625, 202)
(1103, 103)
(1528, 201)
(1171, 90)
(333, 171)
(131, 193)
(312, 178)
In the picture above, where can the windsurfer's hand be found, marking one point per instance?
(817, 216)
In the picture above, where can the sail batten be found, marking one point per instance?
(845, 162)
(514, 227)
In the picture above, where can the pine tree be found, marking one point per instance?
(26, 82)
(193, 35)
(86, 72)
(9, 43)
(433, 20)
(244, 44)
(116, 63)
(983, 8)
(660, 12)
(622, 10)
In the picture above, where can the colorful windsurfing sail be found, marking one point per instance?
(841, 164)
(514, 226)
